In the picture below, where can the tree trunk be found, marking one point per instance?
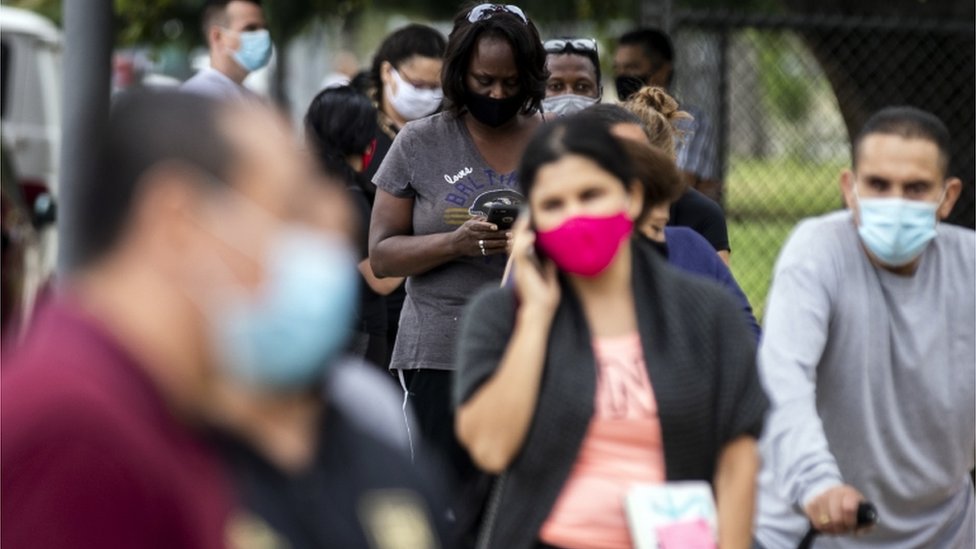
(910, 59)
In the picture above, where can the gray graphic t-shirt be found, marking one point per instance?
(434, 161)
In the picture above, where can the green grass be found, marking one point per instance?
(764, 201)
(755, 246)
(782, 187)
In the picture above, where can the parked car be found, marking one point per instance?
(30, 110)
(30, 93)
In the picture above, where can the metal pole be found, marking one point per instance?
(88, 37)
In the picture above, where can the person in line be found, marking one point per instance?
(434, 190)
(683, 247)
(603, 367)
(868, 353)
(645, 57)
(406, 80)
(574, 75)
(339, 126)
(661, 119)
(237, 36)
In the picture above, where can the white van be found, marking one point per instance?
(30, 101)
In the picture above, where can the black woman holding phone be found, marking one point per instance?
(603, 366)
(435, 189)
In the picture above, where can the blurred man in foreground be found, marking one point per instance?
(195, 233)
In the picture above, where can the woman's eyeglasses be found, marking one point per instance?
(487, 11)
(562, 45)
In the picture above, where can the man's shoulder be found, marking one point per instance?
(212, 83)
(824, 231)
(963, 237)
(70, 378)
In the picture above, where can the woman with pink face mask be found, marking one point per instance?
(602, 367)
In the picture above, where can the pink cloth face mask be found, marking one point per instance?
(583, 245)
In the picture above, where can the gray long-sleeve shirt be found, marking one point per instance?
(872, 379)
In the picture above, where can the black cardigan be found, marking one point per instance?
(700, 357)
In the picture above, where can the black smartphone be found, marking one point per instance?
(502, 215)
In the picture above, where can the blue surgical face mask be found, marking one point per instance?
(284, 336)
(254, 51)
(895, 230)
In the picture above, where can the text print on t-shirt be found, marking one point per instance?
(624, 389)
(474, 184)
(452, 179)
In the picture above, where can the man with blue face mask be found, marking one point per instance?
(239, 42)
(216, 292)
(868, 355)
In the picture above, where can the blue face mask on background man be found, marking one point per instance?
(254, 51)
(896, 230)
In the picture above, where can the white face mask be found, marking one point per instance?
(567, 104)
(410, 101)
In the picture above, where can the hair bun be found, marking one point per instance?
(657, 98)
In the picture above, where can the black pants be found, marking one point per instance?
(430, 397)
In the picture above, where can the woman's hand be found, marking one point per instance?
(535, 279)
(478, 237)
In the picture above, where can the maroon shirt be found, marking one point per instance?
(91, 456)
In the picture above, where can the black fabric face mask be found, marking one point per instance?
(494, 112)
(629, 85)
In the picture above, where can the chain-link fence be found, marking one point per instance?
(788, 91)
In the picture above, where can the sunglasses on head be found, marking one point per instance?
(561, 45)
(482, 12)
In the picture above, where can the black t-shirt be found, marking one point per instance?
(372, 306)
(703, 215)
(358, 488)
(385, 133)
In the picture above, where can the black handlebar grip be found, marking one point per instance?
(867, 514)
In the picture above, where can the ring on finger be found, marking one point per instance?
(481, 244)
(824, 519)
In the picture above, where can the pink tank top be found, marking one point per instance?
(622, 447)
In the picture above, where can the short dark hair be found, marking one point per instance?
(522, 36)
(403, 44)
(910, 123)
(655, 43)
(575, 135)
(146, 129)
(592, 55)
(215, 13)
(339, 122)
